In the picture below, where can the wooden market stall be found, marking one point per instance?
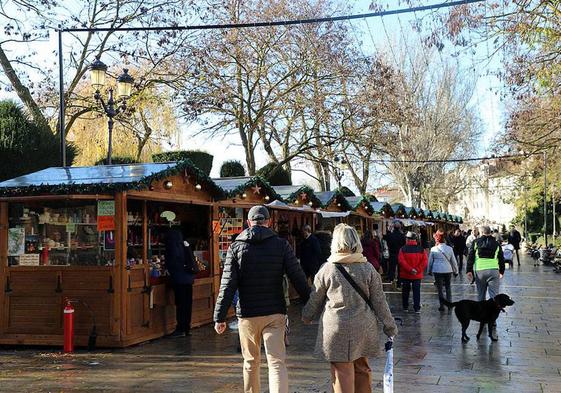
(384, 211)
(240, 194)
(361, 216)
(94, 235)
(335, 209)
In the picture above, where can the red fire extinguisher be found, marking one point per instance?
(68, 327)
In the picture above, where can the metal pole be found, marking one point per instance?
(553, 203)
(110, 111)
(545, 196)
(525, 212)
(61, 125)
(110, 123)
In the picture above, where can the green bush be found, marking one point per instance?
(232, 168)
(26, 147)
(118, 160)
(275, 175)
(202, 160)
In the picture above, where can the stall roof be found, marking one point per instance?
(101, 179)
(398, 208)
(327, 197)
(356, 201)
(381, 207)
(233, 186)
(411, 211)
(428, 213)
(291, 193)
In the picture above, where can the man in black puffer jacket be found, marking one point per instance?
(255, 266)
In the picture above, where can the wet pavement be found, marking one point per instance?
(429, 356)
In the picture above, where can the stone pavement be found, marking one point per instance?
(429, 356)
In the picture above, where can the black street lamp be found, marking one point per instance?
(340, 164)
(111, 108)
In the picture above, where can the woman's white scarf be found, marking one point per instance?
(347, 258)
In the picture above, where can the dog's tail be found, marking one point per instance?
(447, 303)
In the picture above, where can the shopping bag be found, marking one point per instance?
(388, 370)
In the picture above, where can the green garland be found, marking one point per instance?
(109, 188)
(311, 194)
(252, 182)
(362, 200)
(344, 203)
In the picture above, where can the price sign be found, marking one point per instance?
(105, 216)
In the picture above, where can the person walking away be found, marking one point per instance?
(348, 331)
(255, 265)
(324, 238)
(371, 250)
(424, 238)
(395, 240)
(412, 263)
(180, 264)
(442, 263)
(310, 253)
(486, 260)
(459, 246)
(471, 238)
(497, 236)
(508, 252)
(515, 239)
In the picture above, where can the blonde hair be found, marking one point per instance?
(345, 240)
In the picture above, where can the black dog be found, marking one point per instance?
(485, 312)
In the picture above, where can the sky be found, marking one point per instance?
(376, 34)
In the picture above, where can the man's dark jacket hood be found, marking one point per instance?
(255, 234)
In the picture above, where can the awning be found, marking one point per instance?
(334, 214)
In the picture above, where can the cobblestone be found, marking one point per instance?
(429, 356)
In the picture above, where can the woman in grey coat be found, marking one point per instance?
(348, 329)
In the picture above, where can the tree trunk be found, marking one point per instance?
(23, 92)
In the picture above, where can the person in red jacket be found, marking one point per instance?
(412, 263)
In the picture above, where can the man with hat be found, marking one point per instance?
(412, 263)
(255, 265)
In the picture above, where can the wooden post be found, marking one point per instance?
(121, 262)
(3, 265)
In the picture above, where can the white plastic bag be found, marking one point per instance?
(388, 370)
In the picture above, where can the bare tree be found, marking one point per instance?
(441, 125)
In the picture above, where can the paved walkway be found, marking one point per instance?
(429, 356)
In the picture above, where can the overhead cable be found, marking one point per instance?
(291, 22)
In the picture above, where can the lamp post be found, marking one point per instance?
(340, 165)
(111, 107)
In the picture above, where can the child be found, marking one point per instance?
(508, 252)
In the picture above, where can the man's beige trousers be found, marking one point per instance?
(271, 330)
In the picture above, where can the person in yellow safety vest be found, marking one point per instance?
(486, 259)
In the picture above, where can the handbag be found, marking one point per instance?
(354, 285)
